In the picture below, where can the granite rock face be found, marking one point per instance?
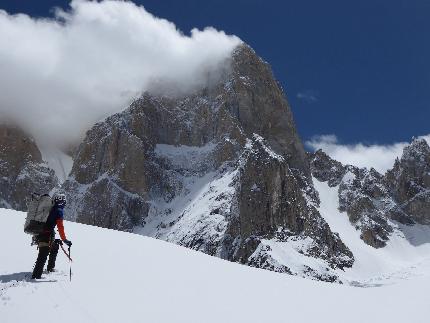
(362, 195)
(277, 204)
(22, 170)
(367, 202)
(375, 203)
(409, 181)
(326, 169)
(221, 170)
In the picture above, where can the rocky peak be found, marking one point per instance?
(261, 107)
(222, 171)
(14, 139)
(365, 200)
(363, 196)
(374, 202)
(409, 181)
(417, 152)
(22, 170)
(326, 169)
(414, 168)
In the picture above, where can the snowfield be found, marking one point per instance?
(123, 277)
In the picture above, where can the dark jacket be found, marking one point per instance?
(55, 219)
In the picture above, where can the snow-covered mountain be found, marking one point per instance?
(223, 171)
(377, 204)
(123, 277)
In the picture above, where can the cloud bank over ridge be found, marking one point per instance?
(61, 75)
(380, 157)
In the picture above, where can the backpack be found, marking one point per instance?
(39, 208)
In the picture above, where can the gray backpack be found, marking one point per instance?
(37, 214)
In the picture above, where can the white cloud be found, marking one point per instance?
(60, 75)
(380, 157)
(309, 96)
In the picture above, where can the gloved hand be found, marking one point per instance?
(68, 243)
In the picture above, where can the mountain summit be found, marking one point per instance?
(222, 171)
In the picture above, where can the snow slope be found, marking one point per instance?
(407, 252)
(202, 201)
(57, 160)
(123, 277)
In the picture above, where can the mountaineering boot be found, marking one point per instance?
(40, 262)
(53, 255)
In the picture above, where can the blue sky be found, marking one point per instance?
(359, 70)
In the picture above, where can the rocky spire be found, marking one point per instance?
(409, 181)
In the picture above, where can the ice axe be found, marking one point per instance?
(70, 268)
(70, 260)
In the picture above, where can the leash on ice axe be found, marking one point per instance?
(70, 260)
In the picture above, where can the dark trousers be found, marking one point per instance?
(48, 246)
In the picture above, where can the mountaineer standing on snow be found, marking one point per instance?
(46, 241)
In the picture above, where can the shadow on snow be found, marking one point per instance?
(22, 276)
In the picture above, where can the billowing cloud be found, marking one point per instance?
(380, 157)
(62, 74)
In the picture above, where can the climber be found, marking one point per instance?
(46, 241)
